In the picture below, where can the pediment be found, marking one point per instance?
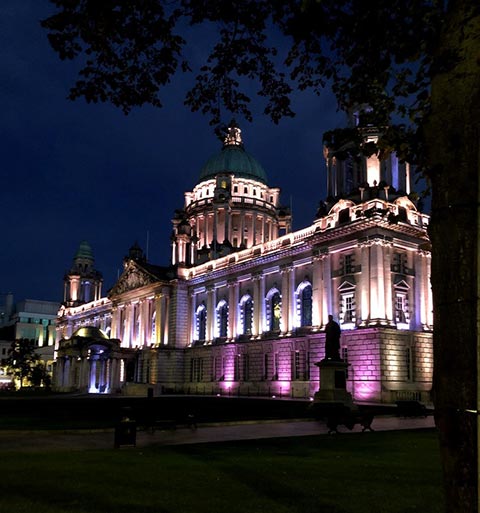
(347, 285)
(400, 283)
(133, 277)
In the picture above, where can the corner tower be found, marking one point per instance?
(83, 283)
(354, 170)
(231, 208)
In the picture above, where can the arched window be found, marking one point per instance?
(306, 306)
(201, 322)
(222, 319)
(274, 310)
(246, 315)
(153, 330)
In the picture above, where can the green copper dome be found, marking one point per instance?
(233, 159)
(84, 251)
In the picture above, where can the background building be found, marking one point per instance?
(243, 306)
(30, 319)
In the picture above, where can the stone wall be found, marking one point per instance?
(380, 369)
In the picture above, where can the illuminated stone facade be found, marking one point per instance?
(243, 307)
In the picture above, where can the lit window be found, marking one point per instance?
(306, 306)
(201, 322)
(274, 313)
(222, 319)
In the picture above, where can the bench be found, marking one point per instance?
(337, 414)
(188, 421)
(411, 409)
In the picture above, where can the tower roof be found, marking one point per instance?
(233, 159)
(84, 251)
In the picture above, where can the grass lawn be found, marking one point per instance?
(389, 472)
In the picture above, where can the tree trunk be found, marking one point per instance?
(452, 138)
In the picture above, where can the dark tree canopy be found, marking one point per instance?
(22, 361)
(129, 50)
(410, 66)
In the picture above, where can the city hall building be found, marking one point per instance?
(242, 308)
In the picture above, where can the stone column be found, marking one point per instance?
(113, 331)
(364, 284)
(261, 304)
(158, 320)
(165, 315)
(387, 269)
(327, 287)
(193, 316)
(428, 284)
(254, 228)
(93, 374)
(285, 321)
(242, 228)
(317, 290)
(292, 300)
(256, 328)
(227, 224)
(232, 308)
(421, 294)
(211, 312)
(377, 283)
(205, 230)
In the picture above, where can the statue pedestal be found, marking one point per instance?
(333, 383)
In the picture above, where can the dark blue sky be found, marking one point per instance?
(72, 171)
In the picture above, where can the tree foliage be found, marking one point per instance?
(24, 364)
(130, 49)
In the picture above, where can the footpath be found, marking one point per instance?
(75, 440)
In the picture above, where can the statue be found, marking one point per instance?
(332, 340)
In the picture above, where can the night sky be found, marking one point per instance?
(72, 171)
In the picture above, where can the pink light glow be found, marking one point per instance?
(367, 390)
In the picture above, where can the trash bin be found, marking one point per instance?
(125, 434)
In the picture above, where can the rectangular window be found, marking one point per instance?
(408, 363)
(345, 359)
(214, 368)
(265, 366)
(401, 308)
(276, 366)
(348, 264)
(296, 365)
(236, 368)
(245, 370)
(349, 309)
(235, 188)
(196, 369)
(245, 190)
(307, 365)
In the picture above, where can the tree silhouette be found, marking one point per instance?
(23, 362)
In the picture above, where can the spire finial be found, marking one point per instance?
(233, 137)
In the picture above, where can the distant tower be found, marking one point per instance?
(83, 283)
(364, 178)
(231, 208)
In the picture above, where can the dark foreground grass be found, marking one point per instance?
(390, 472)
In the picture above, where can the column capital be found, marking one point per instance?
(320, 252)
(424, 253)
(286, 268)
